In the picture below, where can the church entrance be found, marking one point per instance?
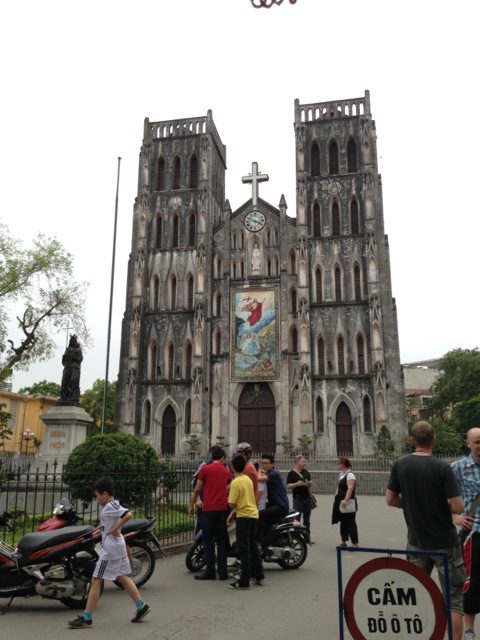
(256, 417)
(343, 420)
(168, 431)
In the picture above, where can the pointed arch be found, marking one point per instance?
(193, 172)
(361, 364)
(175, 231)
(217, 267)
(357, 283)
(189, 303)
(318, 285)
(315, 159)
(158, 232)
(354, 217)
(319, 422)
(217, 342)
(335, 219)
(317, 223)
(217, 304)
(170, 361)
(337, 275)
(152, 361)
(367, 415)
(155, 302)
(146, 417)
(292, 262)
(188, 417)
(187, 360)
(321, 360)
(173, 293)
(176, 173)
(333, 164)
(352, 165)
(169, 428)
(269, 266)
(191, 230)
(292, 300)
(160, 174)
(341, 356)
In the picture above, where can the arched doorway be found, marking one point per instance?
(256, 417)
(168, 431)
(343, 421)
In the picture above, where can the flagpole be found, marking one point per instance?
(112, 279)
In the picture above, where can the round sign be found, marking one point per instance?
(392, 598)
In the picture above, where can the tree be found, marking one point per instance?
(44, 388)
(455, 394)
(92, 402)
(132, 464)
(40, 283)
(5, 430)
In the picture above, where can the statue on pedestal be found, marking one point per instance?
(71, 360)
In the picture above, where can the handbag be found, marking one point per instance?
(313, 500)
(350, 507)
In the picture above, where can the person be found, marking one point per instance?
(113, 562)
(245, 513)
(245, 449)
(262, 487)
(277, 500)
(299, 481)
(467, 474)
(427, 491)
(199, 502)
(345, 493)
(213, 480)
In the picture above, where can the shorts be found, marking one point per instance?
(112, 569)
(456, 571)
(471, 589)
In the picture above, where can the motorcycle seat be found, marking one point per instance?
(43, 539)
(136, 524)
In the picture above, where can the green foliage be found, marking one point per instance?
(92, 402)
(123, 458)
(455, 394)
(193, 441)
(384, 445)
(448, 441)
(285, 443)
(43, 388)
(40, 281)
(304, 442)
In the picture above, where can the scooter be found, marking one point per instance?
(285, 543)
(57, 565)
(138, 534)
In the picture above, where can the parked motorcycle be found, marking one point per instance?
(64, 515)
(57, 565)
(285, 543)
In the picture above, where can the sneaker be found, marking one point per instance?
(236, 575)
(469, 635)
(80, 623)
(258, 581)
(141, 613)
(237, 585)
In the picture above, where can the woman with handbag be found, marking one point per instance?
(300, 482)
(345, 504)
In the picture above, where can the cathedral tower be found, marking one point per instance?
(250, 324)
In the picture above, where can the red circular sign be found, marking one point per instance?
(393, 598)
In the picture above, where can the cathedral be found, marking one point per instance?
(252, 325)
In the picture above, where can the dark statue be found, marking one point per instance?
(71, 360)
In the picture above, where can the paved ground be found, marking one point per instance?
(299, 603)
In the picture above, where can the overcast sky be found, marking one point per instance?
(78, 80)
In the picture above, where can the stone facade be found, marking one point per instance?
(251, 324)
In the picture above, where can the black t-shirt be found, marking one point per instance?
(425, 484)
(293, 476)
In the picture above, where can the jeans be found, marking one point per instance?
(214, 529)
(250, 561)
(304, 507)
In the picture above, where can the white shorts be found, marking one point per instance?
(112, 569)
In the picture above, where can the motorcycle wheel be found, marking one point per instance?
(195, 560)
(142, 562)
(80, 601)
(299, 546)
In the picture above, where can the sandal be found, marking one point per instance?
(343, 544)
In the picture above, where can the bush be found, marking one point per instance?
(132, 464)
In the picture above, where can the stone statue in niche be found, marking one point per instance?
(71, 360)
(255, 259)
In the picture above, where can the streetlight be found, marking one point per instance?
(27, 436)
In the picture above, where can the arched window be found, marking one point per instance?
(218, 267)
(294, 340)
(361, 355)
(333, 166)
(218, 305)
(158, 233)
(317, 228)
(176, 173)
(367, 415)
(187, 374)
(357, 283)
(242, 240)
(269, 267)
(191, 230)
(190, 296)
(156, 291)
(352, 157)
(321, 356)
(292, 262)
(173, 293)
(153, 361)
(341, 356)
(275, 237)
(319, 415)
(234, 240)
(293, 300)
(217, 343)
(175, 230)
(268, 238)
(161, 174)
(242, 269)
(315, 160)
(188, 417)
(147, 417)
(234, 269)
(318, 285)
(335, 219)
(170, 362)
(338, 285)
(193, 173)
(354, 221)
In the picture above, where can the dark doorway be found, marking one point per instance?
(343, 421)
(168, 431)
(256, 417)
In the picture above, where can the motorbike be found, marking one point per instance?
(137, 533)
(285, 543)
(57, 565)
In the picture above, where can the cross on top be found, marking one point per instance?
(255, 178)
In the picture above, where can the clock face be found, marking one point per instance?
(254, 221)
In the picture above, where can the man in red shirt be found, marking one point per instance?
(212, 481)
(246, 451)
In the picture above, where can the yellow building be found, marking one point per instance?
(28, 429)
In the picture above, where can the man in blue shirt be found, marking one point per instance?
(467, 473)
(277, 502)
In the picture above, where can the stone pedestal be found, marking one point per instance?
(66, 428)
